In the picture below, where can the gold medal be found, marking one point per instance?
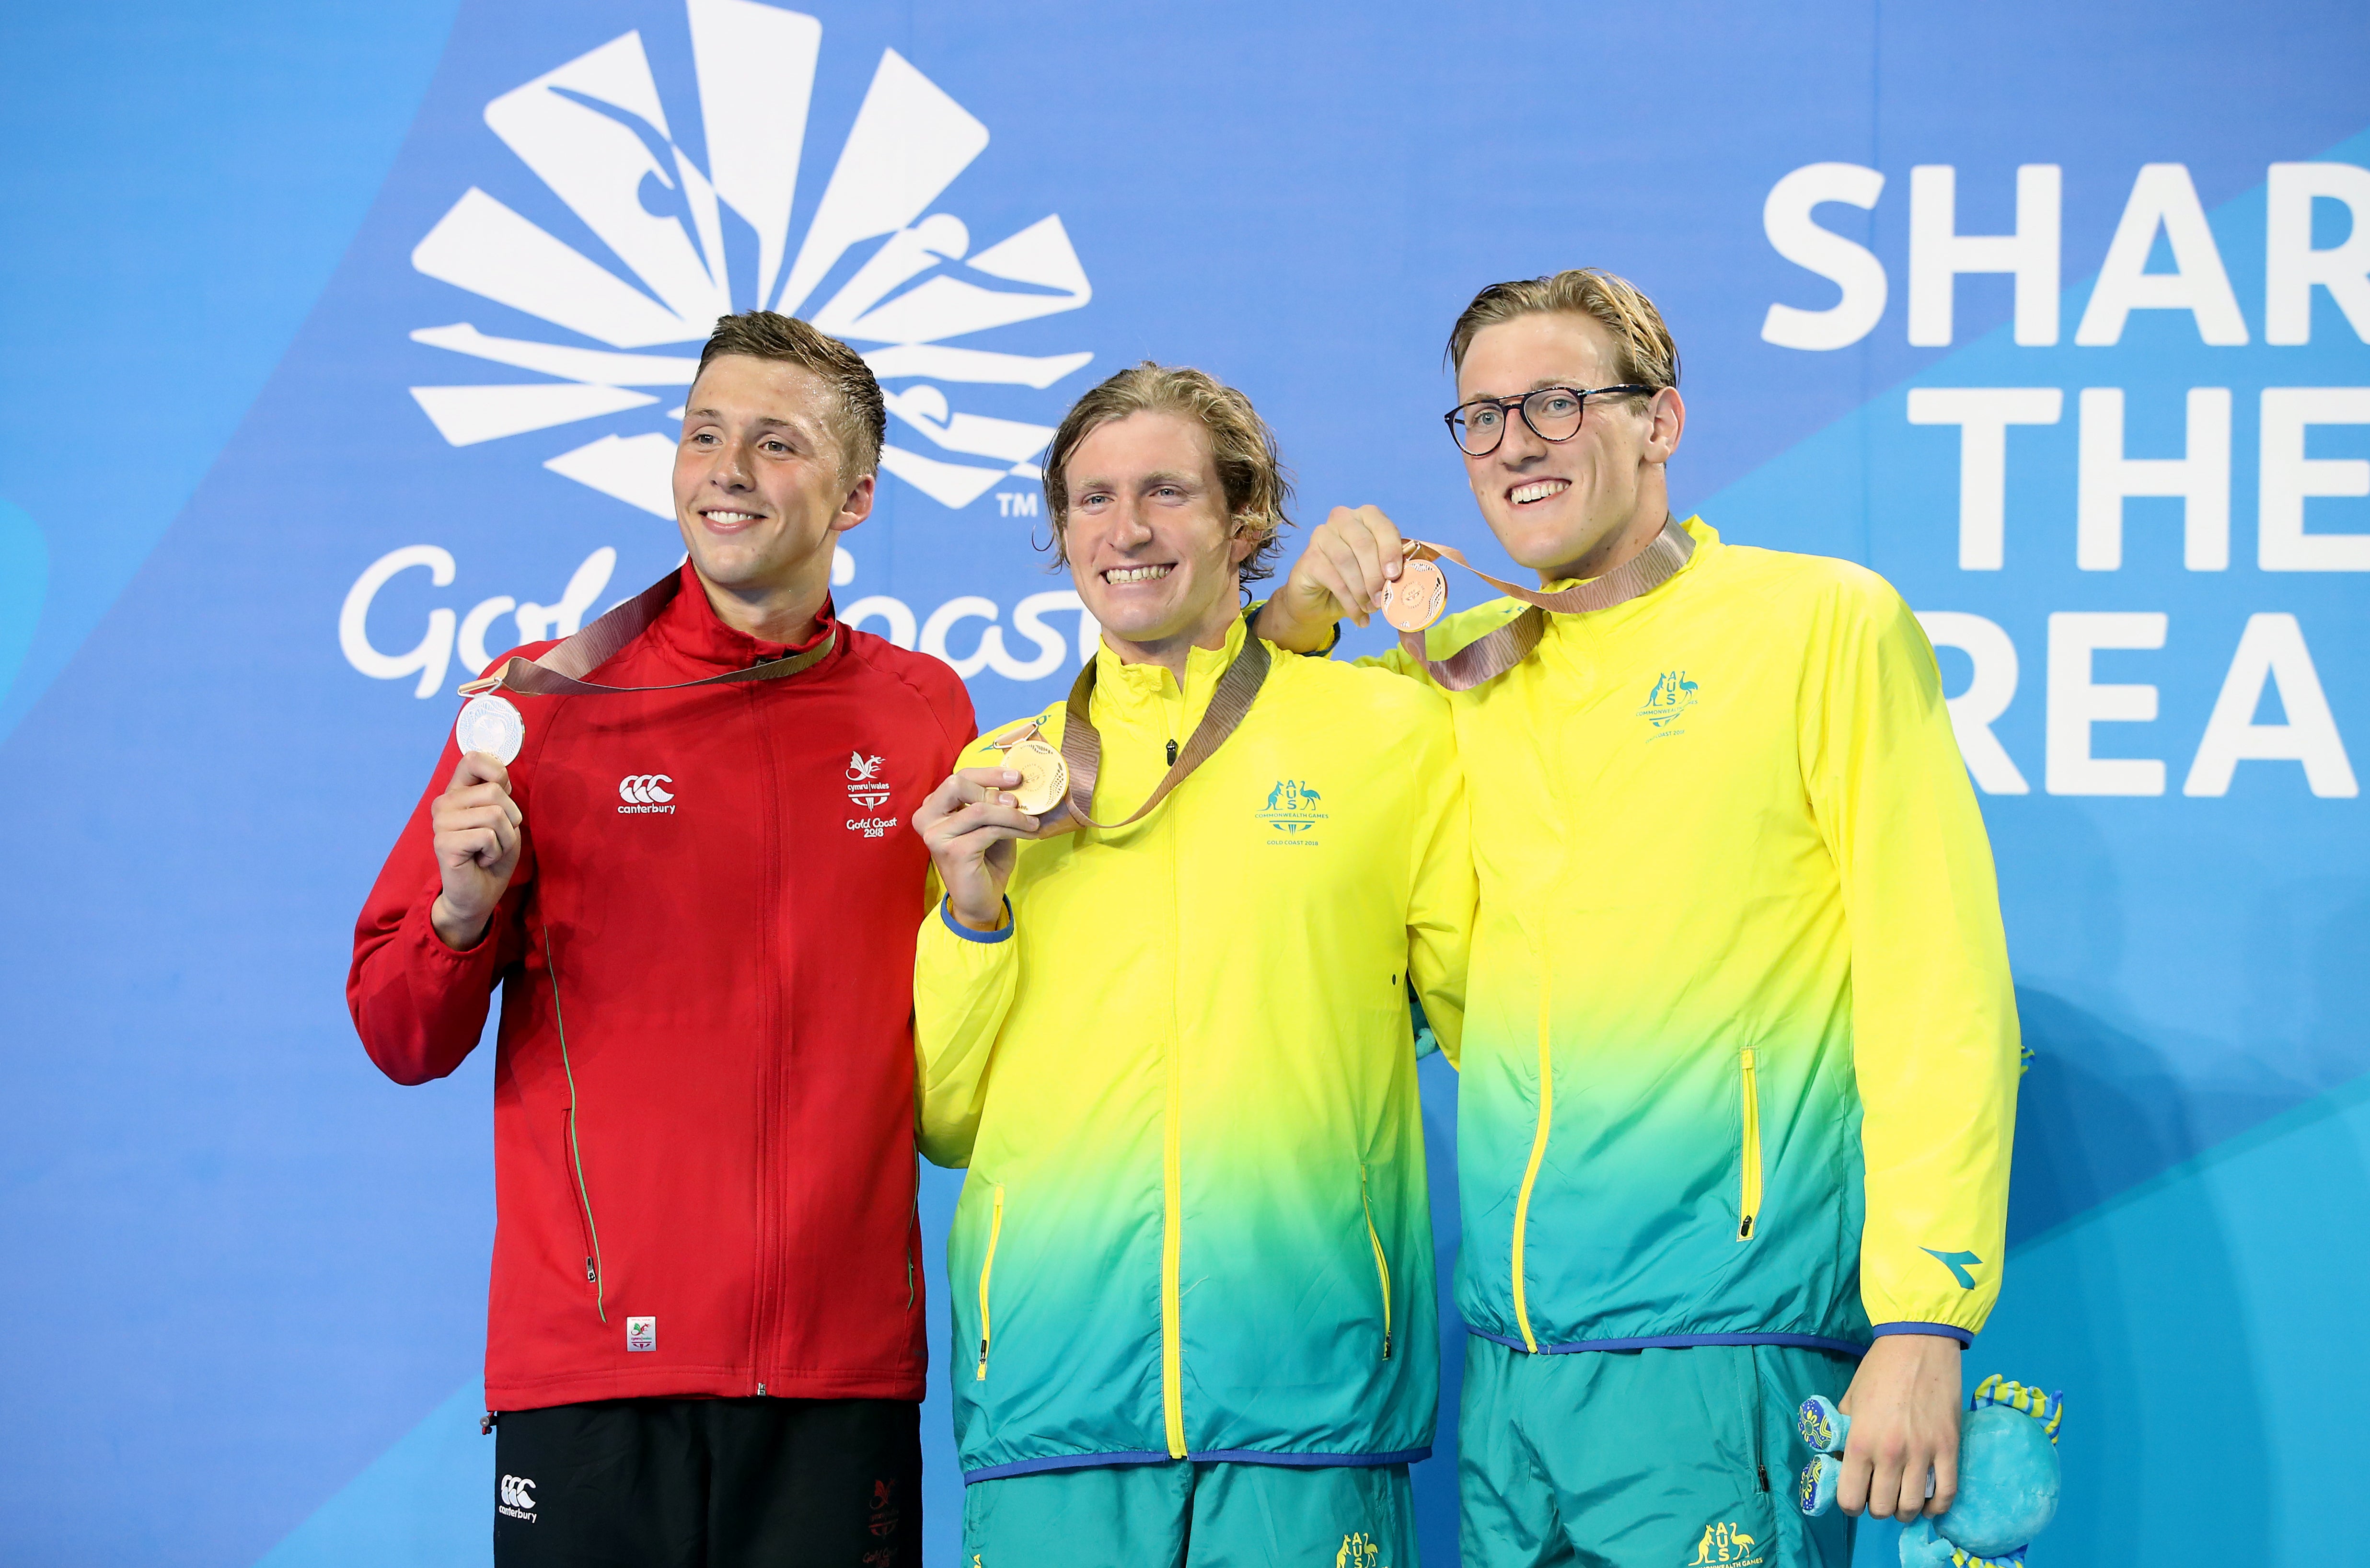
(1044, 777)
(1418, 599)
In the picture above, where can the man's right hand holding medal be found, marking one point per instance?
(969, 823)
(476, 843)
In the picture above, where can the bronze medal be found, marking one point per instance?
(1418, 599)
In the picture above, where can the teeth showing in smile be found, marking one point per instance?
(730, 516)
(1136, 574)
(1537, 489)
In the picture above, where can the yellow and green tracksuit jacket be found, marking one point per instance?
(1740, 1051)
(1196, 1223)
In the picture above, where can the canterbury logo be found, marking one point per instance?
(643, 789)
(518, 1494)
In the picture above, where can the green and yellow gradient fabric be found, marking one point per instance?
(1740, 1053)
(1196, 1223)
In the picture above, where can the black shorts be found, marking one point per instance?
(709, 1483)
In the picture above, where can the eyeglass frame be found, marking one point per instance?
(1516, 403)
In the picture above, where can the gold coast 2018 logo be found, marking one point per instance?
(1725, 1546)
(700, 240)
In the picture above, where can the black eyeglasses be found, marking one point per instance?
(1552, 412)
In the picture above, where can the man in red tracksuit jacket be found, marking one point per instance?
(705, 1342)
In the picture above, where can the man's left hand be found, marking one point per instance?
(1903, 1406)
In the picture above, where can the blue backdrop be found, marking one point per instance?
(337, 346)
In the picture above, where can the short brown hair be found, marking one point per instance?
(1250, 468)
(862, 416)
(1643, 349)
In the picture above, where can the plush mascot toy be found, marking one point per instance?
(2008, 1477)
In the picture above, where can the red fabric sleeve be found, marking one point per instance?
(419, 1005)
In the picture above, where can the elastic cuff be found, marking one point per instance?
(947, 912)
(1939, 1331)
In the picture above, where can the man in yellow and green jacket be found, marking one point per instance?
(1193, 1301)
(1740, 1053)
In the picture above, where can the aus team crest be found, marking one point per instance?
(1294, 807)
(1673, 695)
(693, 226)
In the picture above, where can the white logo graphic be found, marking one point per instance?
(517, 1498)
(641, 1333)
(864, 786)
(598, 136)
(643, 793)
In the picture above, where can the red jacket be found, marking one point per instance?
(705, 1184)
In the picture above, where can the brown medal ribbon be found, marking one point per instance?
(1230, 704)
(1498, 651)
(560, 670)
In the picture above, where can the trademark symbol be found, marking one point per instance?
(1015, 503)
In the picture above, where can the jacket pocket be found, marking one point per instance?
(578, 1199)
(1748, 1201)
(987, 1270)
(1382, 1259)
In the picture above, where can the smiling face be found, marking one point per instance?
(758, 492)
(1151, 546)
(1574, 508)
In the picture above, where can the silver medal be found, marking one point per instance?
(492, 725)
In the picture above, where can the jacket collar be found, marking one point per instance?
(1706, 536)
(1129, 688)
(689, 628)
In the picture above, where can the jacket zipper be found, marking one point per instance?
(1172, 1331)
(773, 1065)
(591, 1232)
(1381, 1263)
(1538, 1155)
(1748, 1208)
(986, 1268)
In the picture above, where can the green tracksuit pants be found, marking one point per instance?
(1641, 1458)
(1183, 1514)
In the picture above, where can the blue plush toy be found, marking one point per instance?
(2008, 1477)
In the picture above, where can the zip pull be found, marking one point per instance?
(591, 1275)
(1172, 753)
(982, 1359)
(1386, 1344)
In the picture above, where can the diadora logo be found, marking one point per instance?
(1673, 695)
(1359, 1549)
(614, 154)
(864, 786)
(1725, 1546)
(1292, 812)
(646, 794)
(1959, 1263)
(516, 1496)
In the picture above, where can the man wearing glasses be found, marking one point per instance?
(1740, 1052)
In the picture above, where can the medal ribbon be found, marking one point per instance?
(1230, 704)
(560, 670)
(1500, 650)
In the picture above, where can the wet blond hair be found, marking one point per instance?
(1250, 468)
(1643, 349)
